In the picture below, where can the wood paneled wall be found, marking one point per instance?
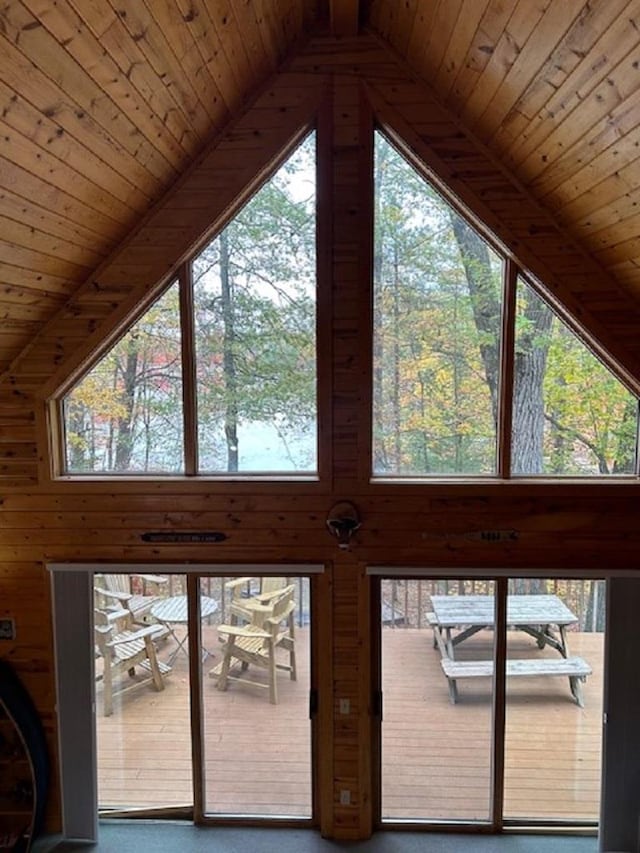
(572, 529)
(569, 527)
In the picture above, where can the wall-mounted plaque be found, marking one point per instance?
(184, 536)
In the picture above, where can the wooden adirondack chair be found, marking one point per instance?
(121, 651)
(244, 599)
(272, 628)
(115, 591)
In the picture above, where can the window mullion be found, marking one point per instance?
(189, 403)
(636, 461)
(505, 402)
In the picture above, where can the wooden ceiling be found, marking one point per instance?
(554, 90)
(106, 103)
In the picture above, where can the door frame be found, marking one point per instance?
(72, 617)
(500, 577)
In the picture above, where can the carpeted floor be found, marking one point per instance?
(167, 837)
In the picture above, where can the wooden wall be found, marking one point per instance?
(568, 527)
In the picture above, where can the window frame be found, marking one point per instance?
(513, 270)
(181, 274)
(53, 426)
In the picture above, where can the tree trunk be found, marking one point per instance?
(531, 354)
(530, 365)
(485, 301)
(395, 390)
(124, 439)
(381, 456)
(79, 453)
(594, 619)
(228, 357)
(626, 453)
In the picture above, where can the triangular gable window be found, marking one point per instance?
(219, 376)
(126, 414)
(439, 362)
(243, 311)
(571, 416)
(254, 304)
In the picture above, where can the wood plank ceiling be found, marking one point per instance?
(554, 90)
(105, 103)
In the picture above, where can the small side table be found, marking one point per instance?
(175, 611)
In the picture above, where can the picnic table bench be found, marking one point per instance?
(539, 616)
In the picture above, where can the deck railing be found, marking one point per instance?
(214, 587)
(405, 603)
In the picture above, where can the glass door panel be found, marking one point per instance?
(142, 692)
(256, 729)
(553, 717)
(436, 747)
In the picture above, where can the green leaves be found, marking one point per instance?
(436, 329)
(254, 299)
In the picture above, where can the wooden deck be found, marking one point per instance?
(436, 756)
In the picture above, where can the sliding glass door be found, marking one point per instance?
(553, 718)
(459, 745)
(142, 692)
(436, 757)
(255, 701)
(201, 687)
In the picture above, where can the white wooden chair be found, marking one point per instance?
(272, 629)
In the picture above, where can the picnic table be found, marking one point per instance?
(455, 618)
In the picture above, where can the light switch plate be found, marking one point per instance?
(7, 629)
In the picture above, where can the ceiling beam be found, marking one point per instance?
(343, 17)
